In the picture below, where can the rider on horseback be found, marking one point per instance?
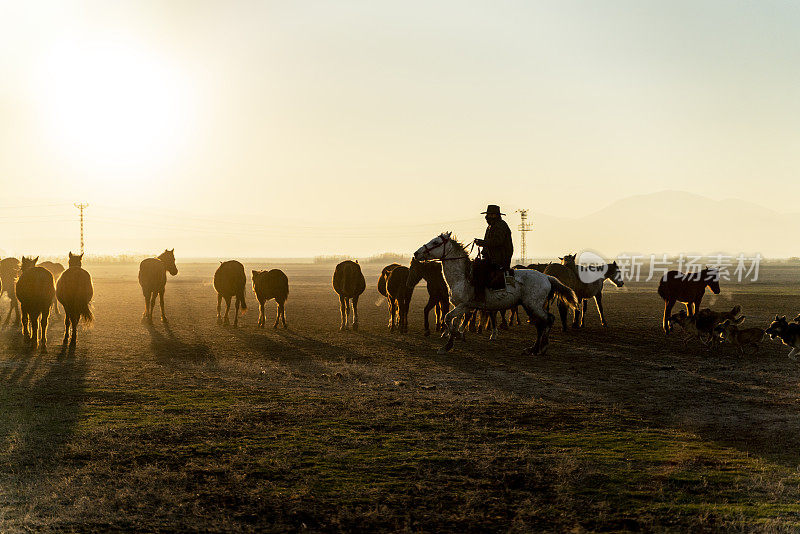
(497, 251)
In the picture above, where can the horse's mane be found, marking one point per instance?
(457, 243)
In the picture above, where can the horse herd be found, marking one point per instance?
(33, 291)
(443, 263)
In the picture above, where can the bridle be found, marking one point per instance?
(444, 242)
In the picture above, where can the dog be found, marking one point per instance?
(788, 333)
(702, 324)
(729, 332)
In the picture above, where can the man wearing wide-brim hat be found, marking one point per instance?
(498, 249)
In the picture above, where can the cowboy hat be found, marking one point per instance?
(493, 210)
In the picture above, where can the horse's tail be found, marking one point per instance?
(240, 300)
(85, 312)
(562, 293)
(350, 283)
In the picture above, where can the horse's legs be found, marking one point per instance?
(493, 319)
(562, 312)
(449, 320)
(343, 312)
(25, 333)
(226, 321)
(262, 318)
(33, 319)
(282, 311)
(598, 299)
(146, 314)
(543, 320)
(425, 311)
(236, 312)
(44, 319)
(668, 304)
(401, 318)
(161, 300)
(444, 308)
(392, 312)
(543, 327)
(355, 312)
(219, 308)
(503, 322)
(404, 314)
(74, 328)
(66, 327)
(152, 304)
(583, 312)
(576, 315)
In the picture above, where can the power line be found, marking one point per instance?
(81, 207)
(524, 228)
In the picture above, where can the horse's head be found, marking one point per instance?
(168, 257)
(415, 272)
(711, 277)
(568, 259)
(435, 249)
(614, 274)
(723, 330)
(778, 327)
(28, 263)
(75, 259)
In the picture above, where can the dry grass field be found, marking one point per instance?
(195, 426)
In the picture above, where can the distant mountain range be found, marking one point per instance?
(671, 222)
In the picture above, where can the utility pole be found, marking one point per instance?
(83, 206)
(524, 227)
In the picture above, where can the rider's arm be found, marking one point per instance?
(493, 237)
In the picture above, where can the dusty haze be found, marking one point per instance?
(274, 129)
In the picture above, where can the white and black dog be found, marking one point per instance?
(788, 333)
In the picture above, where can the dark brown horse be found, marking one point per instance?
(55, 269)
(688, 288)
(385, 272)
(349, 283)
(229, 281)
(74, 291)
(586, 282)
(9, 271)
(153, 279)
(35, 290)
(272, 284)
(438, 294)
(384, 276)
(399, 295)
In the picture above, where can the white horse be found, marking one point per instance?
(530, 288)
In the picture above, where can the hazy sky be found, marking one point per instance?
(301, 128)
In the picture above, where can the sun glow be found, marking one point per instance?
(111, 106)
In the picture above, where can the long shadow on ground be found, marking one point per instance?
(169, 349)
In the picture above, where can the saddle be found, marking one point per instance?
(497, 279)
(493, 278)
